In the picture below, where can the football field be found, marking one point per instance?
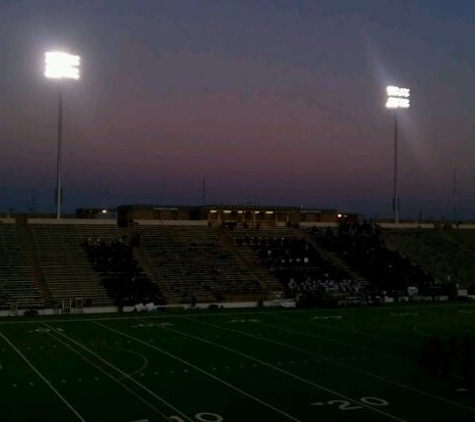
(249, 365)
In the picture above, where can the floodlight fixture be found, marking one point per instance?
(59, 65)
(397, 97)
(394, 102)
(395, 91)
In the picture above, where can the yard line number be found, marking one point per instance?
(45, 330)
(346, 405)
(201, 417)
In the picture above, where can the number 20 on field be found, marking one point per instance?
(347, 405)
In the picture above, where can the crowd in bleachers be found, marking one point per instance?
(326, 284)
(361, 247)
(299, 266)
(122, 276)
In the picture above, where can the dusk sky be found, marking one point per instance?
(274, 101)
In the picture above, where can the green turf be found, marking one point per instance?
(256, 365)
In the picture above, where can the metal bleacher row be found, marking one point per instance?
(443, 253)
(196, 261)
(279, 254)
(64, 264)
(17, 280)
(46, 263)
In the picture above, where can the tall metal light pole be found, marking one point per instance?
(397, 98)
(60, 66)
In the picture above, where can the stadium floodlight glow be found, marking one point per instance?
(394, 102)
(61, 65)
(395, 91)
(398, 97)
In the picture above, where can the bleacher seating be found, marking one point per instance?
(361, 247)
(44, 263)
(17, 281)
(64, 263)
(293, 264)
(448, 255)
(125, 280)
(192, 261)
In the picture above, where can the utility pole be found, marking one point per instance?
(454, 215)
(203, 191)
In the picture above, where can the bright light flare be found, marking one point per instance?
(394, 102)
(62, 65)
(395, 91)
(398, 97)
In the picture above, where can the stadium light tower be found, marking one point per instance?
(59, 65)
(397, 98)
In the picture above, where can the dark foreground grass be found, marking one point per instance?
(268, 365)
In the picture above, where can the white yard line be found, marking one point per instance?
(335, 327)
(256, 399)
(269, 365)
(43, 378)
(344, 343)
(370, 374)
(117, 380)
(143, 387)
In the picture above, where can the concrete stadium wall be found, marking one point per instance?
(422, 226)
(110, 222)
(70, 221)
(321, 224)
(171, 222)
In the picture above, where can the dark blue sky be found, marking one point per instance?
(275, 102)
